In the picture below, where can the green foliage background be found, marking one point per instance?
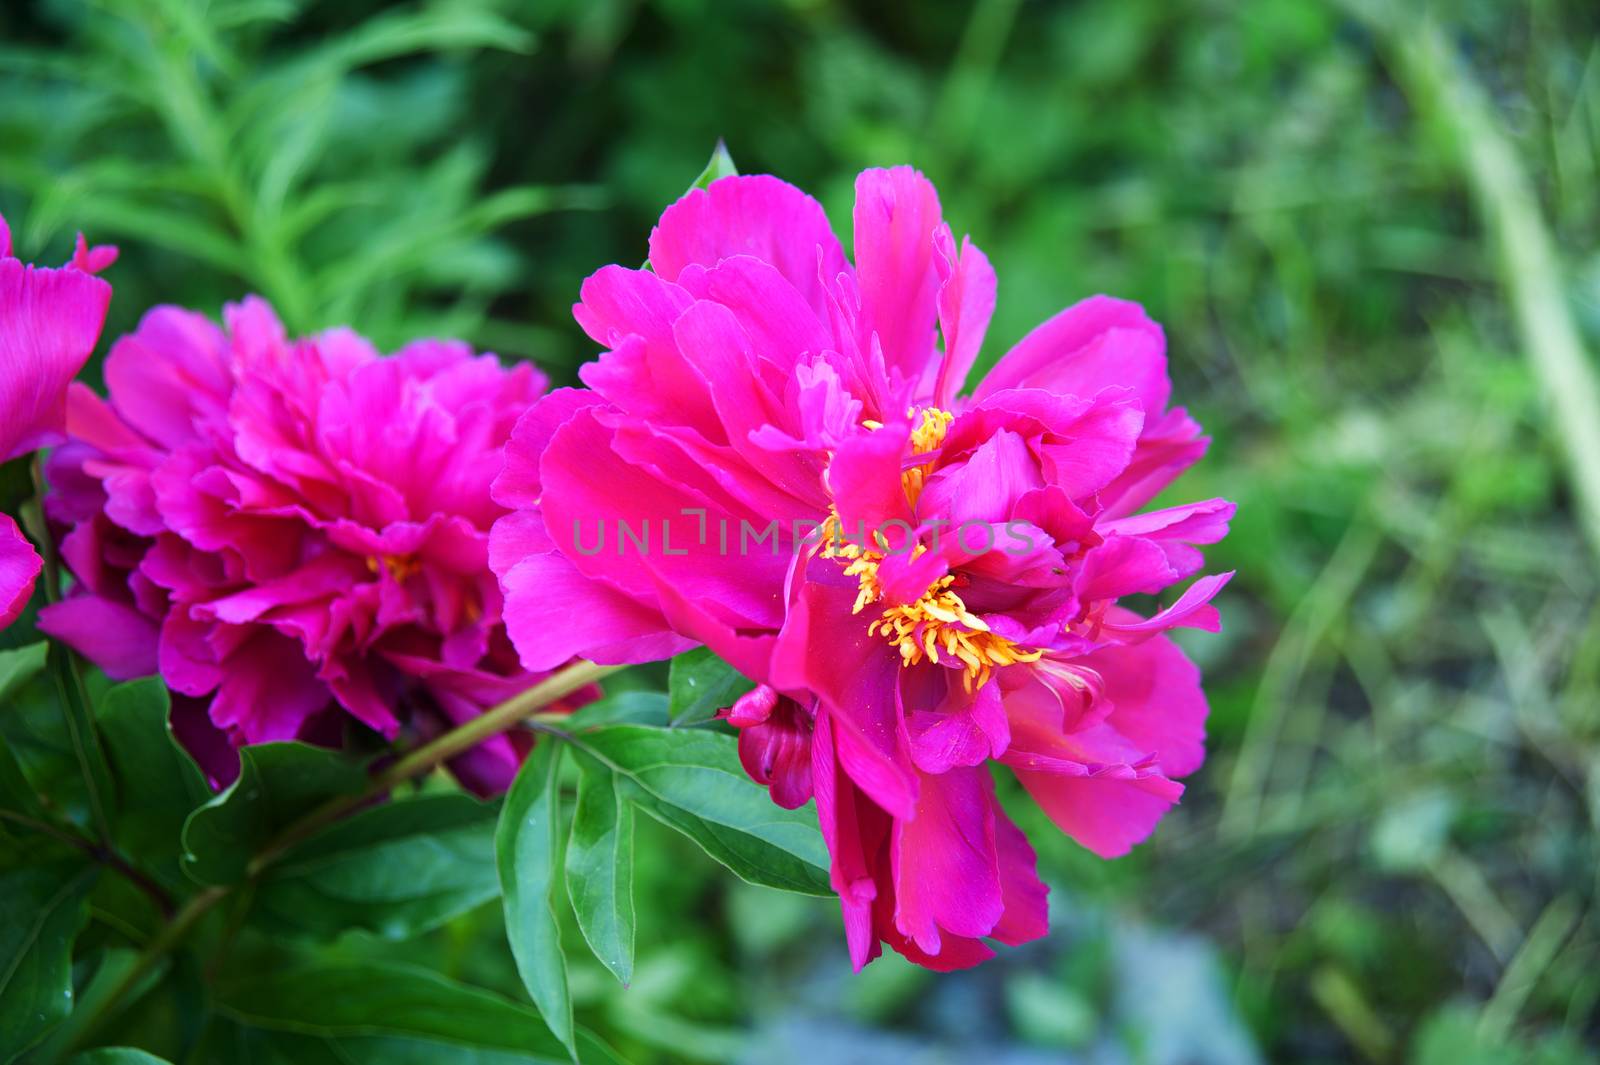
(1390, 854)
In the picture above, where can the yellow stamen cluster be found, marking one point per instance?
(401, 567)
(939, 621)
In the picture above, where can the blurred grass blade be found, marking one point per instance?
(1528, 262)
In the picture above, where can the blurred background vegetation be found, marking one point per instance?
(1391, 852)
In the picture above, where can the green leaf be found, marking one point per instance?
(387, 1013)
(278, 783)
(620, 708)
(600, 866)
(691, 779)
(398, 869)
(116, 1056)
(699, 684)
(158, 784)
(720, 166)
(41, 910)
(527, 844)
(19, 666)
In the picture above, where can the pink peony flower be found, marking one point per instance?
(960, 604)
(292, 531)
(49, 323)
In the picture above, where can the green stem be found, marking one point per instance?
(491, 722)
(102, 854)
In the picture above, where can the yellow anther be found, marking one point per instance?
(939, 620)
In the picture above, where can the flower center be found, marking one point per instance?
(938, 622)
(401, 567)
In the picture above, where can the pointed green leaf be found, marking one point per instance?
(158, 784)
(691, 779)
(278, 783)
(719, 166)
(398, 869)
(527, 847)
(600, 866)
(699, 684)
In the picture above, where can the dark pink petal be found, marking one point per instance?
(1095, 344)
(554, 613)
(1156, 701)
(518, 484)
(781, 325)
(966, 303)
(1167, 447)
(171, 376)
(965, 729)
(591, 490)
(825, 649)
(268, 690)
(946, 869)
(49, 322)
(864, 478)
(1123, 565)
(1109, 813)
(986, 487)
(1027, 910)
(758, 216)
(19, 568)
(112, 635)
(91, 260)
(1192, 609)
(1176, 528)
(856, 832)
(776, 753)
(896, 215)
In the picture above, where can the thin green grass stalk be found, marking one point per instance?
(1529, 265)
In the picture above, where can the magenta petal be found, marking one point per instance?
(1123, 565)
(946, 869)
(112, 635)
(170, 374)
(1192, 609)
(268, 690)
(966, 303)
(864, 477)
(758, 216)
(49, 323)
(826, 650)
(610, 627)
(1156, 701)
(1098, 343)
(517, 484)
(854, 830)
(1027, 913)
(19, 568)
(1107, 813)
(896, 215)
(966, 730)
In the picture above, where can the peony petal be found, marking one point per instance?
(896, 216)
(19, 569)
(758, 216)
(112, 635)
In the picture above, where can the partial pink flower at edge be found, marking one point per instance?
(50, 320)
